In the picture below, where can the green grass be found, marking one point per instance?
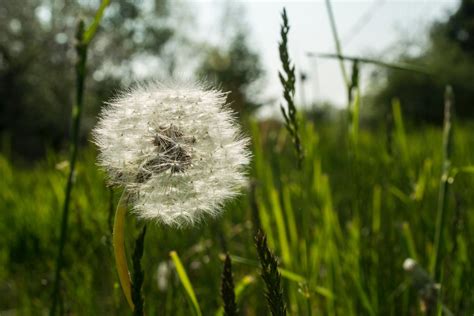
(342, 228)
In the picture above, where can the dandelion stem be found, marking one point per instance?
(119, 249)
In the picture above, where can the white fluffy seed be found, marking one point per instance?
(176, 148)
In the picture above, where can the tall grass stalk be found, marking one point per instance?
(227, 288)
(350, 83)
(288, 80)
(444, 182)
(271, 276)
(354, 104)
(81, 50)
(337, 43)
(363, 60)
(83, 38)
(401, 137)
(240, 289)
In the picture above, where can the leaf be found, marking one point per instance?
(92, 29)
(183, 277)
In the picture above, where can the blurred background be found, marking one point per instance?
(233, 44)
(351, 219)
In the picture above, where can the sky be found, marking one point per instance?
(366, 28)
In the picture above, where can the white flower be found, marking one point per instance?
(175, 148)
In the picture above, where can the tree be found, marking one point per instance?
(449, 56)
(235, 69)
(459, 28)
(234, 66)
(37, 63)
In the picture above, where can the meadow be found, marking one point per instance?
(336, 219)
(341, 227)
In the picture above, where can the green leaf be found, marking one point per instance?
(183, 277)
(92, 29)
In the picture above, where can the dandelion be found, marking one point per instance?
(178, 153)
(175, 148)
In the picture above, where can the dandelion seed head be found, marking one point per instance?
(409, 264)
(176, 148)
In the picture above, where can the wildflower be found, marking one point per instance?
(175, 148)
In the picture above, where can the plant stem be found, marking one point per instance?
(81, 50)
(83, 38)
(397, 66)
(138, 274)
(337, 42)
(444, 181)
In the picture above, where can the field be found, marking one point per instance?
(358, 211)
(341, 227)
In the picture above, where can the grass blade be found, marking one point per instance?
(119, 249)
(400, 135)
(290, 216)
(444, 185)
(337, 42)
(280, 221)
(354, 110)
(183, 277)
(92, 29)
(397, 66)
(409, 241)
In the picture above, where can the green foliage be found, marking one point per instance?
(342, 261)
(459, 28)
(342, 228)
(236, 69)
(448, 57)
(37, 57)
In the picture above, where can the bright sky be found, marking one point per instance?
(366, 28)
